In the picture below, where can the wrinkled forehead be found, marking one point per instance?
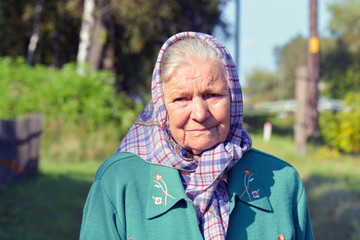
(190, 56)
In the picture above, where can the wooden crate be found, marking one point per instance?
(20, 141)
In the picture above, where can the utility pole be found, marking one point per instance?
(313, 72)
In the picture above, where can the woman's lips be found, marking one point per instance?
(199, 130)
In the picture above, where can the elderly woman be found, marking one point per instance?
(186, 169)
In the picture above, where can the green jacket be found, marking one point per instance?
(132, 199)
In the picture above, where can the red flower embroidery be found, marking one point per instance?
(158, 200)
(247, 172)
(158, 177)
(281, 237)
(248, 178)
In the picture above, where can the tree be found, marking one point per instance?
(58, 32)
(16, 21)
(345, 23)
(35, 35)
(85, 35)
(340, 53)
(135, 30)
(262, 85)
(289, 57)
(126, 35)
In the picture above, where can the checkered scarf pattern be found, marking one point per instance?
(151, 140)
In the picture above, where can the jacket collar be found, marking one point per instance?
(245, 184)
(165, 190)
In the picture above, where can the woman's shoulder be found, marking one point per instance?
(263, 161)
(121, 164)
(271, 169)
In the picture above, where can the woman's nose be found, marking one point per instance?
(199, 111)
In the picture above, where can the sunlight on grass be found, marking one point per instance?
(332, 182)
(318, 160)
(49, 205)
(79, 170)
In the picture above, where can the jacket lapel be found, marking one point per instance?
(165, 190)
(246, 185)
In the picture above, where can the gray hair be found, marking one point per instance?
(184, 52)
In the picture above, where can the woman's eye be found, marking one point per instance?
(180, 99)
(212, 95)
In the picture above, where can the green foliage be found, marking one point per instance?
(90, 99)
(339, 58)
(342, 130)
(262, 85)
(59, 30)
(81, 112)
(141, 27)
(133, 32)
(15, 26)
(345, 23)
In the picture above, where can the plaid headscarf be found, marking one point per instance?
(151, 140)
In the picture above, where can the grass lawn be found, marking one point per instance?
(49, 205)
(332, 184)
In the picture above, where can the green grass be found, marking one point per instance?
(332, 184)
(49, 205)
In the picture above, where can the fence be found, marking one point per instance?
(20, 141)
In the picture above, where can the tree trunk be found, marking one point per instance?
(85, 35)
(97, 44)
(100, 37)
(35, 35)
(301, 87)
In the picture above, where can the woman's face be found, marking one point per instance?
(197, 99)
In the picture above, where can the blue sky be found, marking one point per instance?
(266, 24)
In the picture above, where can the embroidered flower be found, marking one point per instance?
(158, 200)
(248, 178)
(158, 177)
(159, 183)
(255, 194)
(281, 237)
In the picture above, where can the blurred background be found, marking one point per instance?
(75, 74)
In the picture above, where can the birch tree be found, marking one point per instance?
(85, 35)
(35, 35)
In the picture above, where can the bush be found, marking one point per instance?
(342, 130)
(74, 106)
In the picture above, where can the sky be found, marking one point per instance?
(265, 24)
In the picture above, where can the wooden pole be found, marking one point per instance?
(313, 72)
(301, 125)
